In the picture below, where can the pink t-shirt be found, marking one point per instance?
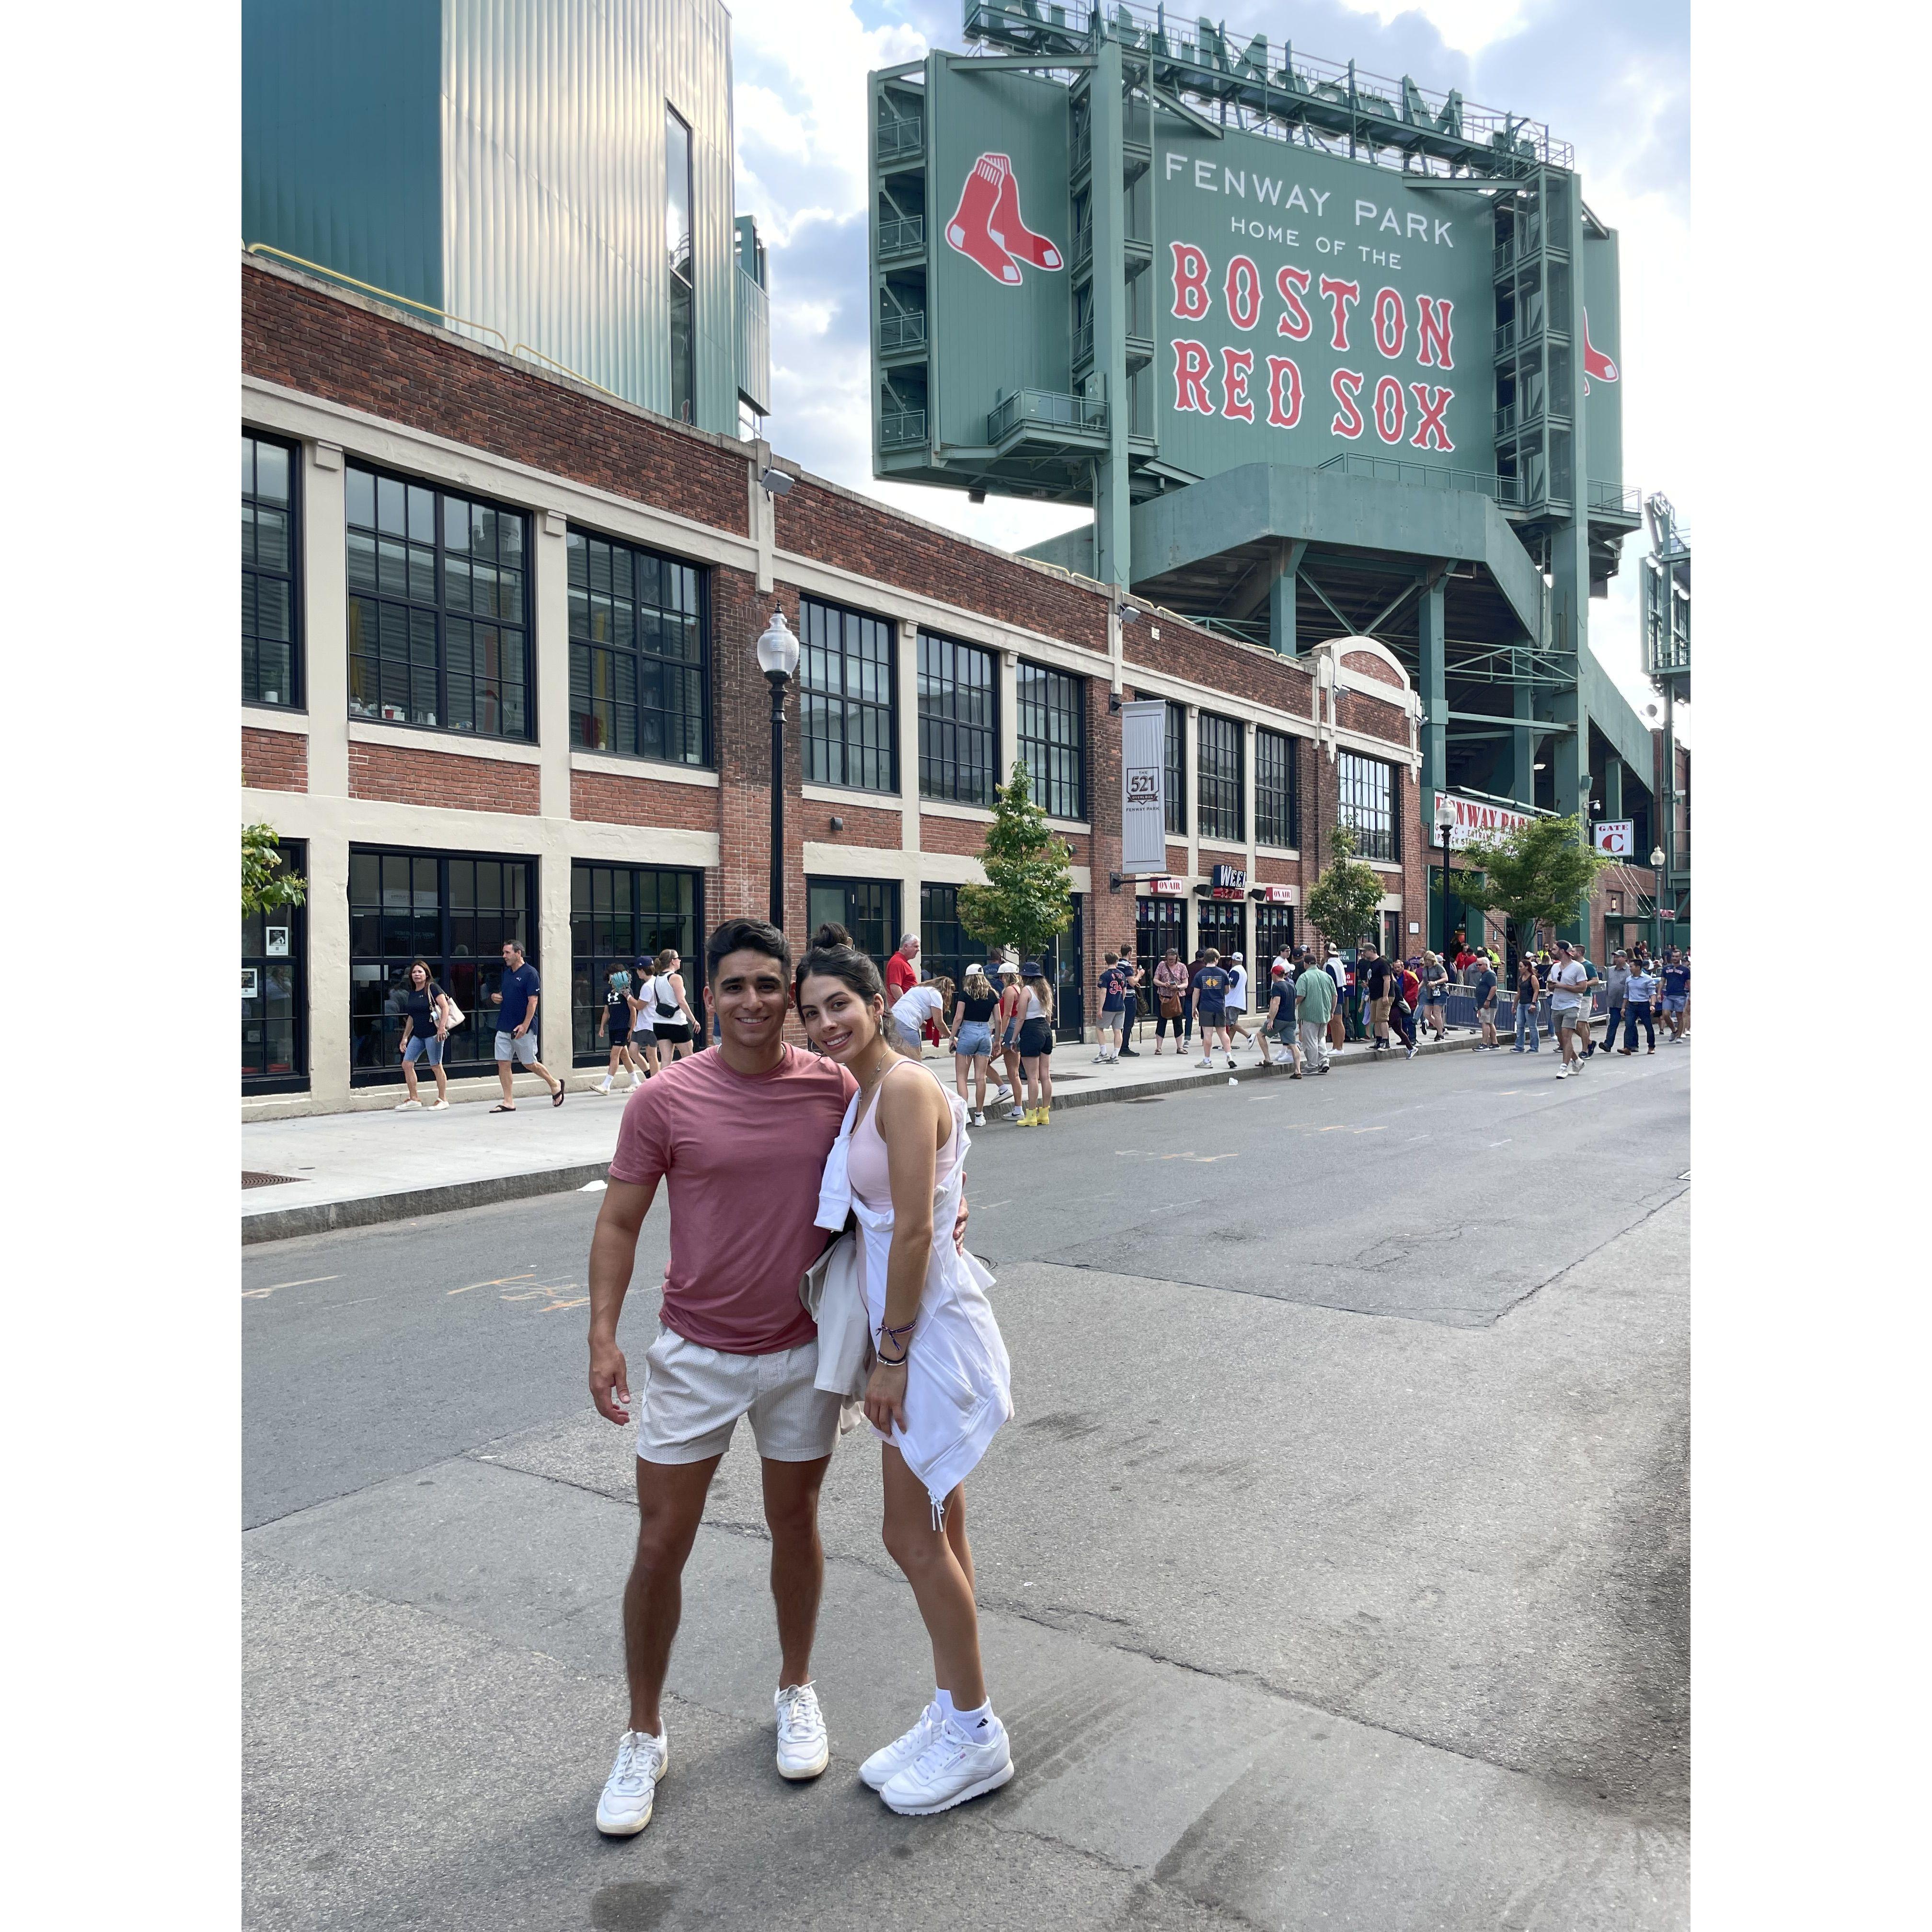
(744, 1155)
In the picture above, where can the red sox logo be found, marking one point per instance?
(986, 227)
(1595, 362)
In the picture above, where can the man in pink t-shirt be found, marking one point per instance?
(739, 1135)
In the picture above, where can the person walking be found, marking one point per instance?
(1008, 1019)
(740, 1138)
(516, 1028)
(1436, 995)
(972, 1037)
(1238, 1032)
(1315, 994)
(914, 1009)
(425, 1028)
(1113, 1009)
(1192, 1011)
(614, 1023)
(1616, 982)
(643, 1019)
(1640, 1001)
(1528, 991)
(1372, 975)
(1211, 999)
(1569, 987)
(1280, 1021)
(1171, 990)
(1408, 1003)
(1676, 993)
(1130, 1009)
(676, 1026)
(1037, 1044)
(901, 975)
(941, 1384)
(1485, 990)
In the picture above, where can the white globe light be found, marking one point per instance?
(778, 648)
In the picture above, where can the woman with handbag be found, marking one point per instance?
(426, 1024)
(1170, 992)
(940, 1388)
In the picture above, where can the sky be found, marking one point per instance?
(1615, 83)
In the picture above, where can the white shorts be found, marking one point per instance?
(693, 1395)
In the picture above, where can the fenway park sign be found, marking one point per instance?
(1476, 818)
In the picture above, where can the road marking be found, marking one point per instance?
(987, 1207)
(307, 1281)
(501, 1281)
(1199, 1159)
(1499, 1143)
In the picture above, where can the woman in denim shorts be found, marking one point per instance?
(972, 1037)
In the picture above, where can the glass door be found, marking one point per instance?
(869, 909)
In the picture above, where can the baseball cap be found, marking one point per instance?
(1235, 959)
(1333, 950)
(1007, 966)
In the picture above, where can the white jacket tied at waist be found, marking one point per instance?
(959, 1381)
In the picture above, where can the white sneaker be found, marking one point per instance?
(1003, 1092)
(890, 1759)
(1564, 1074)
(950, 1770)
(1208, 1063)
(978, 1117)
(1231, 1061)
(603, 1085)
(403, 1106)
(625, 1808)
(1015, 1113)
(441, 1107)
(803, 1751)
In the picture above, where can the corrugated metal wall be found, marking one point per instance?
(553, 191)
(341, 139)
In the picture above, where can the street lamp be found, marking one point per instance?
(1445, 824)
(1658, 859)
(778, 659)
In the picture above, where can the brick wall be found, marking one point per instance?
(405, 776)
(274, 760)
(964, 836)
(605, 798)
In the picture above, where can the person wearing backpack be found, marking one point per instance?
(614, 1025)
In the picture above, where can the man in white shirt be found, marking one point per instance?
(1238, 1000)
(1569, 984)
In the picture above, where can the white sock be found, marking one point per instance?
(977, 1724)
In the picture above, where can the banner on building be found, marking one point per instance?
(1613, 837)
(1477, 818)
(1144, 786)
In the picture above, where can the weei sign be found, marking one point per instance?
(1310, 306)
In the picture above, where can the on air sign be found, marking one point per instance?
(1476, 818)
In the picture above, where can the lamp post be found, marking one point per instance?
(778, 659)
(1659, 858)
(1445, 824)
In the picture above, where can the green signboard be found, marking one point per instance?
(1310, 306)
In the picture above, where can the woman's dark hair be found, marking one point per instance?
(831, 956)
(429, 976)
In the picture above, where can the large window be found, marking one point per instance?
(944, 946)
(1223, 925)
(846, 686)
(271, 662)
(1367, 802)
(454, 911)
(618, 913)
(959, 722)
(1175, 785)
(1159, 923)
(1219, 775)
(438, 627)
(1275, 822)
(1274, 933)
(640, 656)
(869, 909)
(1051, 709)
(275, 993)
(677, 249)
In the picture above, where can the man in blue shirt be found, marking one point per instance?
(516, 1028)
(1210, 996)
(1676, 992)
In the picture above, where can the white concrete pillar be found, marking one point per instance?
(326, 674)
(551, 587)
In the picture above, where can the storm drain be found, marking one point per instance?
(249, 1179)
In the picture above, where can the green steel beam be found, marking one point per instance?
(1034, 63)
(1432, 688)
(1113, 501)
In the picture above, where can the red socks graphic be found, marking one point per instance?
(969, 230)
(1010, 231)
(987, 226)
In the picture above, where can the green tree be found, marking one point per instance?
(266, 883)
(1345, 903)
(1539, 873)
(1028, 899)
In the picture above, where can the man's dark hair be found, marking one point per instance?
(516, 945)
(746, 935)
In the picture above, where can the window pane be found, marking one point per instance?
(362, 493)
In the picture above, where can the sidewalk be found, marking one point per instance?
(350, 1170)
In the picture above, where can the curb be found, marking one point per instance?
(323, 1217)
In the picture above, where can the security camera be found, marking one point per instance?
(777, 482)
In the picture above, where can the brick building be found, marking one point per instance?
(499, 678)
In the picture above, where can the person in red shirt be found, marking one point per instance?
(901, 975)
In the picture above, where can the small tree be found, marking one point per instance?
(1343, 903)
(266, 883)
(1539, 873)
(1028, 900)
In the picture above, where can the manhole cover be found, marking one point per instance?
(252, 1180)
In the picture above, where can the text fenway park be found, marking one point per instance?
(1375, 324)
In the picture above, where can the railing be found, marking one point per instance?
(1083, 246)
(903, 136)
(906, 427)
(1665, 657)
(1085, 415)
(1621, 500)
(1506, 418)
(905, 236)
(1294, 93)
(904, 328)
(1506, 490)
(1083, 341)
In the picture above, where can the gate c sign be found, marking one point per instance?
(1614, 837)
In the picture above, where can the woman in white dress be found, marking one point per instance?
(939, 1386)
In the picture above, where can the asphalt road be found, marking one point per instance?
(1332, 1570)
